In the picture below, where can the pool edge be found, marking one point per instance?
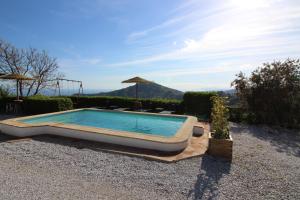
(175, 143)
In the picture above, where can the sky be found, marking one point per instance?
(188, 45)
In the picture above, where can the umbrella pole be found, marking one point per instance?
(17, 89)
(136, 91)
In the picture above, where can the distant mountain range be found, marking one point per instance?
(145, 90)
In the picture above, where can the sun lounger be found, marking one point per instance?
(166, 112)
(99, 107)
(122, 109)
(144, 110)
(113, 107)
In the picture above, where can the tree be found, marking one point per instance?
(4, 91)
(28, 62)
(44, 68)
(272, 93)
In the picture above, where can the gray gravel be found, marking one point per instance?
(266, 165)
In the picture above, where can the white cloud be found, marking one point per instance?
(265, 30)
(183, 19)
(79, 63)
(199, 34)
(250, 4)
(190, 46)
(192, 86)
(92, 61)
(200, 70)
(140, 34)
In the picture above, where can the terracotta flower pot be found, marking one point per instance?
(220, 147)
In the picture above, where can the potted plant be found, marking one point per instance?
(220, 140)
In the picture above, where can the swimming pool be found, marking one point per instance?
(124, 121)
(136, 129)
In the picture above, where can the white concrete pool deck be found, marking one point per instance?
(177, 142)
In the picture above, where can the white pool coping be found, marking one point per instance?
(140, 140)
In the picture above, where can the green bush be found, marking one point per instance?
(167, 104)
(101, 101)
(4, 101)
(4, 91)
(236, 114)
(43, 104)
(219, 118)
(198, 103)
(105, 101)
(239, 114)
(271, 94)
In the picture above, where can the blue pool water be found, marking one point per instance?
(139, 123)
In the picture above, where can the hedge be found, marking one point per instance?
(99, 101)
(198, 103)
(166, 104)
(194, 103)
(4, 101)
(106, 101)
(42, 104)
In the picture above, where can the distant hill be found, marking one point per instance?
(145, 90)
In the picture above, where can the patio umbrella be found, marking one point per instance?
(16, 77)
(136, 80)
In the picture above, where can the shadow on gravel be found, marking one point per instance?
(71, 142)
(287, 141)
(5, 138)
(97, 146)
(212, 170)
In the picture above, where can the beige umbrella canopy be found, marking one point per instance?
(16, 77)
(136, 80)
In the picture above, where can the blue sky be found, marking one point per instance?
(183, 44)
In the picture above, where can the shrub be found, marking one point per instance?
(167, 104)
(236, 114)
(4, 101)
(219, 117)
(106, 101)
(100, 101)
(43, 104)
(198, 103)
(271, 95)
(4, 91)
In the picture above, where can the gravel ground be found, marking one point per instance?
(266, 165)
